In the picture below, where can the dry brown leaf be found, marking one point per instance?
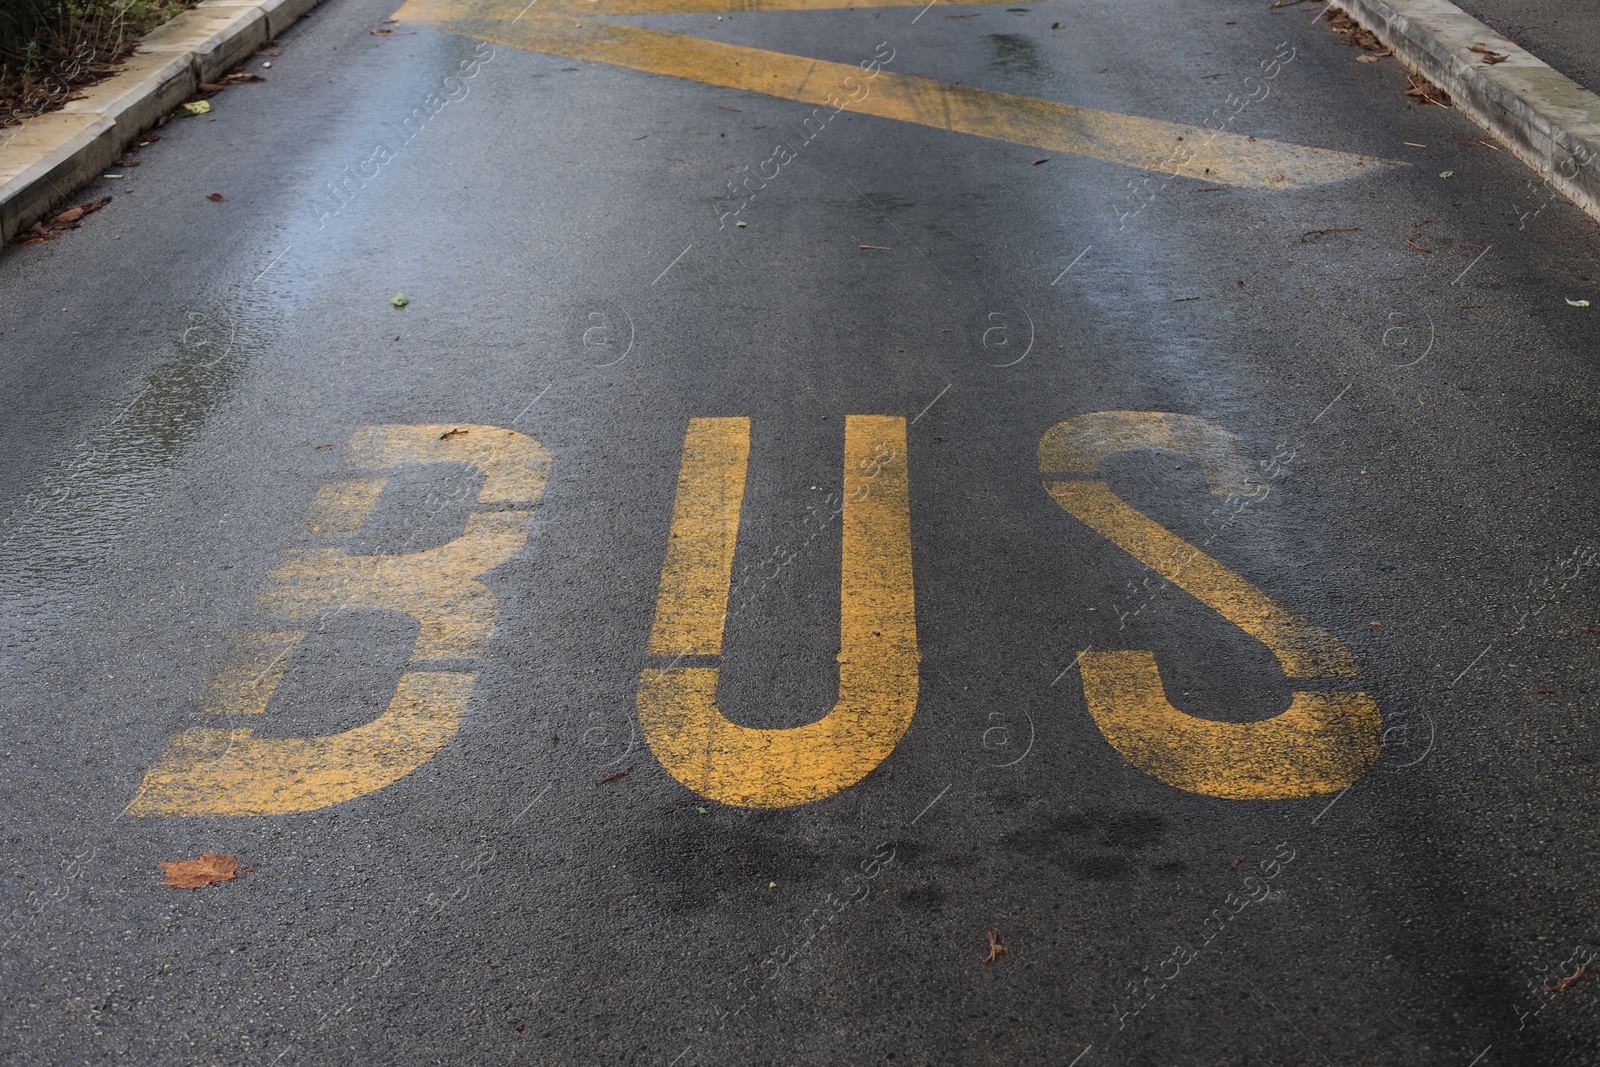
(242, 76)
(996, 949)
(210, 867)
(53, 227)
(452, 433)
(1421, 89)
(1564, 983)
(218, 197)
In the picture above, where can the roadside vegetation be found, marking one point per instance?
(50, 49)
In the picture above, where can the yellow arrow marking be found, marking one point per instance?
(878, 655)
(1224, 158)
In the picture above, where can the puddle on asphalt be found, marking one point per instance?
(79, 511)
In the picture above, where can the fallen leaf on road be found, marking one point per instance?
(1559, 986)
(218, 197)
(1421, 89)
(614, 777)
(400, 300)
(996, 949)
(1331, 229)
(1488, 55)
(244, 76)
(194, 107)
(1418, 247)
(59, 223)
(462, 433)
(209, 87)
(880, 248)
(1447, 174)
(210, 867)
(1036, 162)
(1368, 58)
(1577, 303)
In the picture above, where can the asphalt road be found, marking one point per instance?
(626, 415)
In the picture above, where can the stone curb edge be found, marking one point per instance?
(47, 159)
(1550, 121)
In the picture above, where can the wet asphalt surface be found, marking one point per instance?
(181, 374)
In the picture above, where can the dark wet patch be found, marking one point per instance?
(1100, 845)
(1015, 53)
(920, 896)
(690, 864)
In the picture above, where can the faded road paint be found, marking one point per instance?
(435, 10)
(878, 658)
(1322, 743)
(212, 771)
(1130, 140)
(705, 528)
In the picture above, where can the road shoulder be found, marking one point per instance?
(45, 160)
(1550, 121)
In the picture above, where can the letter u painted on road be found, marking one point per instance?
(208, 771)
(878, 658)
(1322, 743)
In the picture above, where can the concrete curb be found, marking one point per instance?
(47, 159)
(1550, 121)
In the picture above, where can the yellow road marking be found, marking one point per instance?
(878, 656)
(515, 466)
(254, 667)
(1130, 140)
(229, 771)
(705, 527)
(341, 508)
(1322, 743)
(1304, 649)
(437, 586)
(434, 10)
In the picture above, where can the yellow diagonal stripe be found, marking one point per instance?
(435, 10)
(1130, 140)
